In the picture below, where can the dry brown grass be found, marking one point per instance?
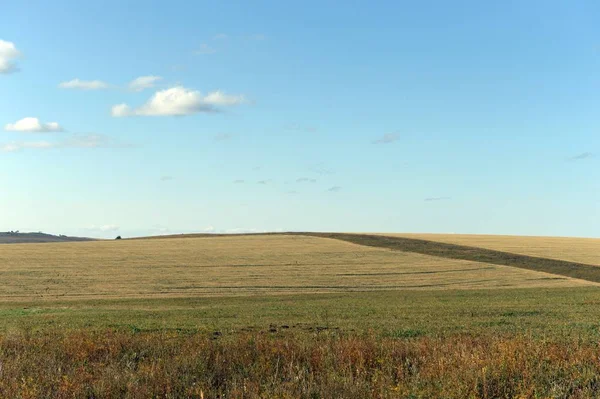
(582, 250)
(238, 265)
(166, 365)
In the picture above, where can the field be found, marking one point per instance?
(301, 315)
(583, 250)
(246, 265)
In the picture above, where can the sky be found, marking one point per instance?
(151, 117)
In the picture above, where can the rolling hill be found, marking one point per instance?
(23, 238)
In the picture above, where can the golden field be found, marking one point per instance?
(244, 265)
(582, 250)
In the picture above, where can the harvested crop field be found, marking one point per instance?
(239, 265)
(582, 250)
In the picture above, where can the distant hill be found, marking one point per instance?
(19, 238)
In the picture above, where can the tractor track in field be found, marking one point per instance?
(559, 267)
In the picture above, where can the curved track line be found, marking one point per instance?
(577, 270)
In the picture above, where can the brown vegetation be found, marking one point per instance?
(276, 364)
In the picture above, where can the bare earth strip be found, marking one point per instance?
(239, 265)
(581, 250)
(476, 254)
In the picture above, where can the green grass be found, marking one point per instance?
(557, 312)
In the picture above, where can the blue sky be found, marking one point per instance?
(151, 117)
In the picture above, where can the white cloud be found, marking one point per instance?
(84, 84)
(306, 180)
(105, 228)
(220, 98)
(33, 125)
(205, 49)
(297, 127)
(431, 199)
(87, 141)
(178, 101)
(321, 169)
(160, 230)
(144, 82)
(75, 141)
(223, 136)
(220, 36)
(121, 110)
(257, 36)
(18, 146)
(8, 54)
(387, 138)
(240, 230)
(109, 227)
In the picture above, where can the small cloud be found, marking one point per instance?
(209, 229)
(160, 230)
(240, 230)
(84, 84)
(432, 199)
(33, 125)
(178, 68)
(109, 227)
(264, 181)
(222, 136)
(306, 180)
(334, 189)
(105, 228)
(256, 36)
(300, 128)
(291, 192)
(220, 36)
(178, 101)
(239, 181)
(8, 55)
(321, 169)
(257, 167)
(144, 82)
(220, 98)
(166, 178)
(75, 141)
(121, 110)
(582, 156)
(18, 146)
(91, 141)
(387, 138)
(205, 49)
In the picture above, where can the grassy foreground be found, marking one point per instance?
(519, 343)
(546, 313)
(172, 365)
